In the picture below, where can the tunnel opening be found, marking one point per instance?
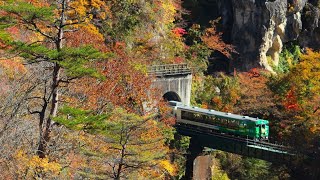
(171, 96)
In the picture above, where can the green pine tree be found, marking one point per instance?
(45, 27)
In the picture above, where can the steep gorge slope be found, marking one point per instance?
(260, 28)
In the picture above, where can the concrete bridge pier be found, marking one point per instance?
(194, 150)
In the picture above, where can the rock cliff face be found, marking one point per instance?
(260, 28)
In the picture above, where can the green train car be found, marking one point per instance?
(229, 123)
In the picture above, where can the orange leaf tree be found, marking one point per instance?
(212, 38)
(129, 144)
(299, 90)
(46, 23)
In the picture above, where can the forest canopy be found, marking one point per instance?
(77, 101)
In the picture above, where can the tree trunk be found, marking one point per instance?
(45, 131)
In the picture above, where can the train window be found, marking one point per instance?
(183, 114)
(207, 119)
(214, 119)
(186, 115)
(203, 118)
(200, 117)
(217, 121)
(224, 121)
(197, 117)
(221, 121)
(233, 123)
(194, 116)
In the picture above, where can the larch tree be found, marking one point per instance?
(298, 91)
(129, 143)
(46, 24)
(298, 94)
(118, 144)
(51, 35)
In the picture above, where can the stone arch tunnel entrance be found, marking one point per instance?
(171, 96)
(173, 81)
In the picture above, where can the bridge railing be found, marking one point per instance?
(169, 69)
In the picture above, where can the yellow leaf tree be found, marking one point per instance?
(47, 23)
(125, 145)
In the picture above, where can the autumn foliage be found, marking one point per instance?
(90, 56)
(212, 38)
(77, 101)
(179, 32)
(298, 93)
(290, 101)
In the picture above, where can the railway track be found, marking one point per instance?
(193, 130)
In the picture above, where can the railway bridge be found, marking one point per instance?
(174, 81)
(201, 138)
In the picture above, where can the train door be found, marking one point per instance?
(262, 130)
(257, 133)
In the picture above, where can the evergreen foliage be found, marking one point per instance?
(197, 53)
(238, 167)
(37, 34)
(289, 57)
(132, 143)
(28, 12)
(297, 93)
(86, 120)
(220, 93)
(74, 84)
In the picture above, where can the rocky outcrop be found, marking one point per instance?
(274, 35)
(260, 28)
(310, 35)
(250, 20)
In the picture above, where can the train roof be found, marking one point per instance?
(217, 113)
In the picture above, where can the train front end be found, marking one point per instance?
(262, 129)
